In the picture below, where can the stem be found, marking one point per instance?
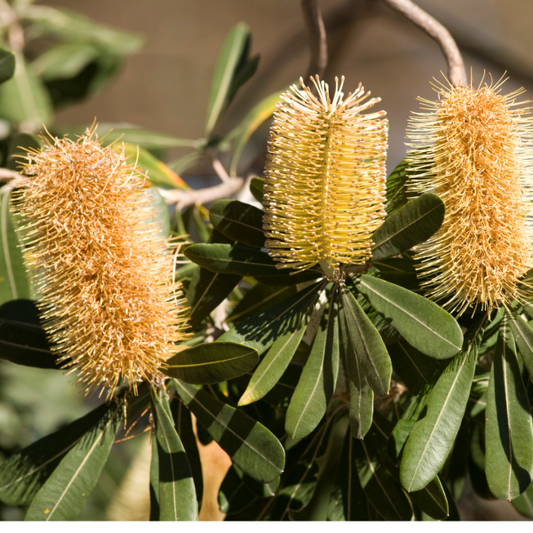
(317, 36)
(456, 67)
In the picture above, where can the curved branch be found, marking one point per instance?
(317, 37)
(456, 67)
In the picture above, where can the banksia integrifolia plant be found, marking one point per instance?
(473, 149)
(324, 178)
(102, 266)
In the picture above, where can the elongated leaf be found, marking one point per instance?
(379, 486)
(7, 64)
(211, 363)
(238, 221)
(251, 446)
(318, 380)
(256, 188)
(23, 99)
(260, 332)
(347, 501)
(18, 146)
(234, 495)
(422, 323)
(235, 46)
(177, 495)
(241, 260)
(13, 280)
(64, 493)
(369, 348)
(399, 271)
(413, 368)
(22, 339)
(523, 335)
(255, 117)
(154, 481)
(64, 61)
(361, 395)
(161, 208)
(508, 427)
(432, 437)
(396, 194)
(410, 225)
(524, 503)
(277, 359)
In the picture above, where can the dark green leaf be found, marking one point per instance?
(63, 494)
(226, 68)
(396, 193)
(399, 271)
(64, 61)
(238, 221)
(361, 395)
(277, 359)
(18, 149)
(412, 367)
(523, 335)
(432, 437)
(369, 349)
(379, 486)
(177, 495)
(422, 323)
(508, 427)
(260, 331)
(211, 363)
(524, 503)
(251, 446)
(22, 339)
(13, 279)
(410, 225)
(154, 481)
(7, 64)
(234, 495)
(318, 380)
(256, 188)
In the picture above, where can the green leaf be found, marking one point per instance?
(369, 349)
(260, 331)
(177, 495)
(422, 323)
(347, 501)
(379, 486)
(278, 357)
(234, 495)
(154, 480)
(23, 98)
(255, 117)
(399, 271)
(162, 216)
(22, 339)
(415, 369)
(523, 335)
(318, 380)
(211, 363)
(64, 61)
(251, 446)
(396, 194)
(7, 64)
(410, 225)
(361, 395)
(18, 149)
(432, 437)
(235, 46)
(508, 427)
(13, 280)
(524, 503)
(256, 188)
(64, 493)
(239, 222)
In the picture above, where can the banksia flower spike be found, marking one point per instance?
(324, 178)
(102, 265)
(474, 150)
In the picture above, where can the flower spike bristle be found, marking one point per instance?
(324, 178)
(472, 147)
(102, 266)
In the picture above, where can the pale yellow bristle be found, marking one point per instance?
(324, 178)
(474, 150)
(103, 268)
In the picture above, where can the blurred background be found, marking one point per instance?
(162, 83)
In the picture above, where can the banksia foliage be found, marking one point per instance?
(324, 178)
(102, 265)
(474, 152)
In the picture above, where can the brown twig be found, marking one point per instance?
(317, 37)
(456, 67)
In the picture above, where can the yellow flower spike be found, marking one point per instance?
(325, 178)
(474, 151)
(102, 265)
